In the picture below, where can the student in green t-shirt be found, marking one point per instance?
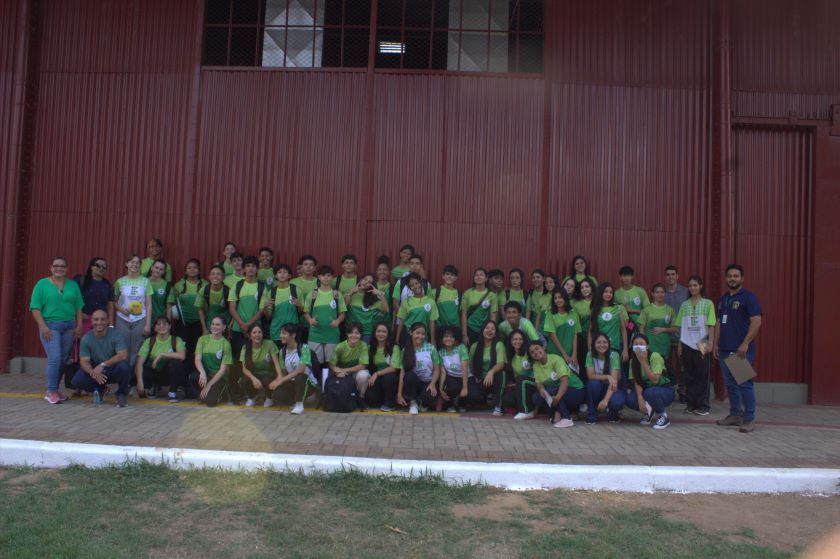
(384, 363)
(420, 373)
(583, 307)
(265, 272)
(154, 251)
(605, 389)
(306, 282)
(515, 321)
(403, 291)
(160, 362)
(212, 359)
(244, 305)
(652, 391)
(487, 359)
(496, 284)
(347, 280)
(212, 301)
(657, 322)
(520, 365)
(260, 366)
(478, 305)
(185, 291)
(447, 300)
(633, 297)
(161, 291)
(610, 319)
(455, 363)
(579, 270)
(562, 328)
(324, 310)
(351, 358)
(227, 258)
(570, 286)
(282, 302)
(235, 268)
(366, 305)
(558, 388)
(539, 300)
(420, 307)
(403, 268)
(383, 282)
(296, 367)
(515, 292)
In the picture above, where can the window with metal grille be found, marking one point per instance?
(286, 33)
(460, 35)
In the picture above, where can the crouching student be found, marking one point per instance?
(260, 365)
(605, 389)
(297, 378)
(487, 359)
(160, 362)
(384, 361)
(213, 357)
(103, 359)
(558, 388)
(652, 391)
(519, 365)
(420, 373)
(455, 374)
(351, 358)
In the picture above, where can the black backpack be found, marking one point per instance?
(260, 289)
(225, 294)
(340, 394)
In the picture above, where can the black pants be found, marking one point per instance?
(294, 391)
(696, 368)
(237, 342)
(480, 395)
(189, 332)
(171, 374)
(217, 393)
(264, 378)
(383, 392)
(583, 350)
(453, 386)
(674, 366)
(415, 389)
(521, 397)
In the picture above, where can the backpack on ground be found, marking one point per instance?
(340, 394)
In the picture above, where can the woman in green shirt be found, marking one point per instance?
(184, 293)
(350, 359)
(298, 368)
(384, 364)
(161, 301)
(558, 388)
(455, 362)
(539, 299)
(579, 270)
(652, 390)
(212, 301)
(154, 252)
(610, 319)
(420, 373)
(419, 308)
(227, 252)
(56, 306)
(606, 389)
(583, 307)
(516, 292)
(366, 305)
(383, 282)
(212, 360)
(478, 305)
(160, 362)
(562, 327)
(519, 363)
(488, 357)
(260, 366)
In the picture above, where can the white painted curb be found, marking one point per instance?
(507, 475)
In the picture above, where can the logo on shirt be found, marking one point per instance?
(526, 364)
(161, 291)
(333, 304)
(267, 358)
(388, 359)
(485, 304)
(736, 304)
(457, 301)
(427, 307)
(291, 300)
(606, 316)
(571, 322)
(219, 354)
(667, 318)
(269, 281)
(553, 375)
(637, 301)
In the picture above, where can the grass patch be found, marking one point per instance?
(140, 509)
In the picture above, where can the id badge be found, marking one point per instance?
(723, 319)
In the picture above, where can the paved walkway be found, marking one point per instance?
(786, 436)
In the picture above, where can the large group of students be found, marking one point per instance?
(257, 331)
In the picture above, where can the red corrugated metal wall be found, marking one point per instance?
(454, 163)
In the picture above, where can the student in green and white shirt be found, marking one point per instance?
(515, 292)
(521, 366)
(419, 308)
(496, 284)
(384, 362)
(610, 319)
(306, 282)
(515, 321)
(657, 323)
(213, 357)
(403, 266)
(160, 362)
(583, 307)
(478, 305)
(154, 251)
(562, 328)
(265, 272)
(347, 280)
(488, 357)
(383, 283)
(161, 291)
(420, 373)
(652, 391)
(696, 320)
(455, 364)
(633, 297)
(539, 300)
(244, 305)
(235, 269)
(227, 258)
(448, 300)
(212, 301)
(184, 293)
(260, 366)
(324, 310)
(402, 290)
(579, 270)
(351, 358)
(366, 305)
(296, 366)
(557, 386)
(133, 305)
(282, 302)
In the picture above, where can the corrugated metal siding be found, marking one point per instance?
(773, 182)
(144, 36)
(775, 104)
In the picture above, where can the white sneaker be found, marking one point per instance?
(523, 415)
(268, 403)
(565, 423)
(413, 409)
(497, 412)
(648, 415)
(297, 409)
(249, 403)
(384, 407)
(452, 409)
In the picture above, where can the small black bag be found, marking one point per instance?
(340, 394)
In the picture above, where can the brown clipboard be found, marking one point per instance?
(740, 369)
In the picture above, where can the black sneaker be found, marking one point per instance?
(591, 421)
(701, 412)
(662, 422)
(122, 401)
(689, 410)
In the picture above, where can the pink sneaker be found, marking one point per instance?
(52, 398)
(63, 397)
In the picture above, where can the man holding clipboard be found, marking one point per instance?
(740, 320)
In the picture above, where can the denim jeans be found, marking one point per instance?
(659, 398)
(118, 374)
(595, 392)
(57, 349)
(741, 396)
(571, 400)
